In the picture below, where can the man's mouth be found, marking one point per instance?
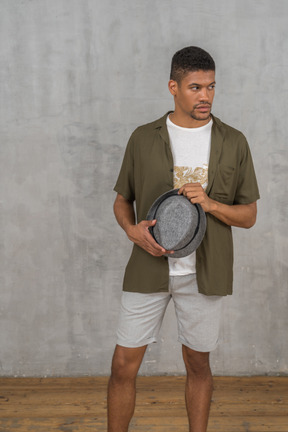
(203, 108)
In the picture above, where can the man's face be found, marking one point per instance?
(193, 96)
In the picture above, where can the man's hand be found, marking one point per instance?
(140, 235)
(196, 195)
(137, 233)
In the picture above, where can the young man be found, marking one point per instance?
(210, 162)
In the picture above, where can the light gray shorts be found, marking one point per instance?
(198, 316)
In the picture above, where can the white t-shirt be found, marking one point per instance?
(191, 150)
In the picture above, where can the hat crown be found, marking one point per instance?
(176, 224)
(180, 225)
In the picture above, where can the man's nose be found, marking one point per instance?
(204, 95)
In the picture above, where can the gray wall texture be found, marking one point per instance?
(76, 78)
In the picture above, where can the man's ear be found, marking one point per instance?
(173, 87)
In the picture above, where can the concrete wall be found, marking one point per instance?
(76, 78)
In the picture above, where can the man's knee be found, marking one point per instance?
(196, 363)
(126, 362)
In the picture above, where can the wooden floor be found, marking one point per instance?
(257, 404)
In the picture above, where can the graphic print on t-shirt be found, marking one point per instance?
(185, 174)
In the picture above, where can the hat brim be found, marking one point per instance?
(197, 236)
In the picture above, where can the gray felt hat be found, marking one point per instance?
(180, 224)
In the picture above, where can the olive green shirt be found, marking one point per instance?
(147, 172)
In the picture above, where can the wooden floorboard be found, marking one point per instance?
(254, 404)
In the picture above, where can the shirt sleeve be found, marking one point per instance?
(247, 189)
(125, 184)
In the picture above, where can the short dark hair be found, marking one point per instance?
(190, 59)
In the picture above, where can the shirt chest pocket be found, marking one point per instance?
(224, 185)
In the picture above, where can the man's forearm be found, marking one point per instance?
(242, 215)
(239, 215)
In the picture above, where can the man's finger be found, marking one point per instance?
(157, 247)
(151, 223)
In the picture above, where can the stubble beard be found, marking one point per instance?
(198, 117)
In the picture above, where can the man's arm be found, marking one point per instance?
(137, 233)
(239, 215)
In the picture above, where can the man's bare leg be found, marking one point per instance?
(122, 387)
(199, 388)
